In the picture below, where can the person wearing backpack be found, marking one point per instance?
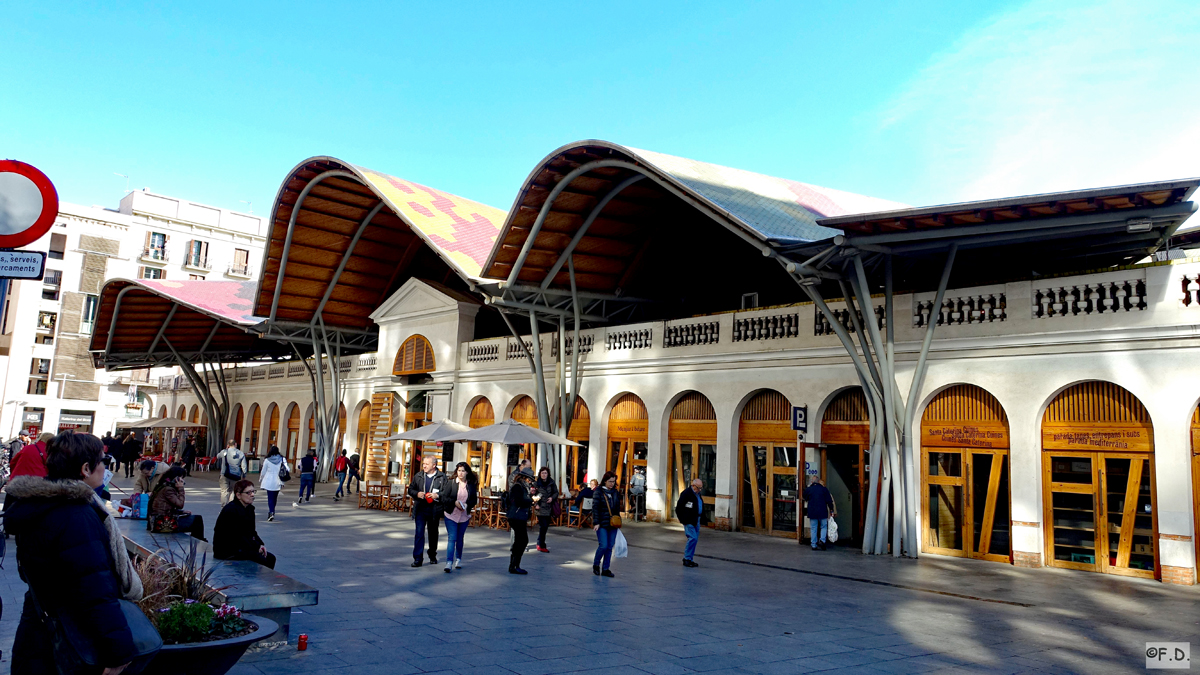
(341, 466)
(232, 464)
(275, 472)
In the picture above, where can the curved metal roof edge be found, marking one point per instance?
(401, 213)
(658, 173)
(915, 212)
(241, 322)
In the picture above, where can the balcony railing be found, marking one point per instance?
(237, 270)
(152, 254)
(197, 262)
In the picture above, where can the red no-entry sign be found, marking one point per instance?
(28, 203)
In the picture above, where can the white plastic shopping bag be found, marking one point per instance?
(832, 535)
(621, 548)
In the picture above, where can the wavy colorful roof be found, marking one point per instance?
(346, 237)
(607, 246)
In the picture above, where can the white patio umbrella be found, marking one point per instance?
(171, 423)
(510, 432)
(438, 431)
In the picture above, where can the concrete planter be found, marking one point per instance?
(209, 658)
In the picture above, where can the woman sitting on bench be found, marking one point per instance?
(234, 537)
(167, 515)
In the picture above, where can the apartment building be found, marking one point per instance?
(49, 381)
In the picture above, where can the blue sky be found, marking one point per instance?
(945, 101)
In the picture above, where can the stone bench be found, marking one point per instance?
(248, 586)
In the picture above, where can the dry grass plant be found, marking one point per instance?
(173, 574)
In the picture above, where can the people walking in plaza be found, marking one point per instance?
(460, 498)
(131, 452)
(15, 445)
(233, 466)
(112, 446)
(235, 537)
(341, 467)
(31, 459)
(167, 500)
(72, 555)
(820, 509)
(271, 478)
(690, 512)
(426, 489)
(355, 478)
(519, 505)
(545, 498)
(606, 520)
(308, 475)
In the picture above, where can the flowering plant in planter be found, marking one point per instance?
(180, 601)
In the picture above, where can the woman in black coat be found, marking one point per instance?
(606, 503)
(72, 556)
(545, 494)
(519, 503)
(234, 537)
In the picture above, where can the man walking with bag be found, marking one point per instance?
(232, 464)
(426, 489)
(690, 512)
(820, 509)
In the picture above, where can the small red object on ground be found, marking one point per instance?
(302, 642)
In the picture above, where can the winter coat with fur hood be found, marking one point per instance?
(72, 555)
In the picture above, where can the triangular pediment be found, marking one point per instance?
(416, 298)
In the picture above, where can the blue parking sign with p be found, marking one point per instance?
(800, 418)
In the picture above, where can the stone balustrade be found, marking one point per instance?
(629, 339)
(687, 334)
(770, 327)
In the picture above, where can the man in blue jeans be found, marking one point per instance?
(690, 512)
(308, 476)
(820, 509)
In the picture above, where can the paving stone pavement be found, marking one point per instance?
(756, 606)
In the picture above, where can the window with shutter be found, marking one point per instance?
(415, 356)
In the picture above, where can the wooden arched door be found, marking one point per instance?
(844, 460)
(255, 425)
(273, 427)
(692, 432)
(577, 456)
(479, 455)
(525, 411)
(1098, 482)
(628, 444)
(770, 467)
(292, 449)
(965, 502)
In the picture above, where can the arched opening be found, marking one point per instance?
(273, 426)
(292, 447)
(311, 413)
(162, 411)
(628, 447)
(181, 413)
(479, 455)
(363, 429)
(255, 427)
(965, 502)
(414, 357)
(1098, 481)
(524, 411)
(239, 419)
(577, 456)
(692, 436)
(843, 460)
(195, 416)
(770, 470)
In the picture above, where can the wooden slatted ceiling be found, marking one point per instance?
(849, 406)
(482, 414)
(768, 406)
(388, 253)
(1031, 210)
(1097, 401)
(964, 403)
(629, 407)
(415, 356)
(694, 406)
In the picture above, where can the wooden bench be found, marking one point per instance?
(250, 587)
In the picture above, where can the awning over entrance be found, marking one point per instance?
(343, 238)
(138, 322)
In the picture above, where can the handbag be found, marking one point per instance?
(284, 473)
(75, 650)
(555, 509)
